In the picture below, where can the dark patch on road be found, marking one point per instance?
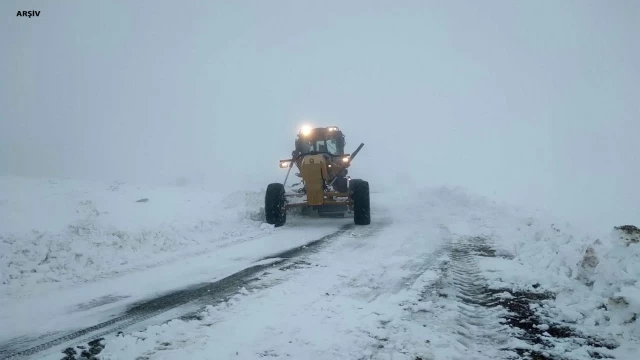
(95, 347)
(99, 302)
(214, 290)
(310, 247)
(478, 246)
(535, 331)
(300, 264)
(227, 286)
(192, 316)
(23, 341)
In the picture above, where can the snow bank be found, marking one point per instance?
(595, 276)
(615, 280)
(72, 231)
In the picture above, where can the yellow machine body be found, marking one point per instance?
(313, 171)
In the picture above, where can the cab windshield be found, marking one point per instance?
(320, 145)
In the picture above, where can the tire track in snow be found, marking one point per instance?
(507, 319)
(479, 326)
(453, 305)
(148, 309)
(414, 265)
(392, 334)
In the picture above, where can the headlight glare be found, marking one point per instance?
(305, 130)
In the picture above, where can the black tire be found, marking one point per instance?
(274, 201)
(361, 203)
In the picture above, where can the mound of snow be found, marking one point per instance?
(616, 279)
(70, 231)
(595, 278)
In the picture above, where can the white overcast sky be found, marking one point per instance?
(532, 102)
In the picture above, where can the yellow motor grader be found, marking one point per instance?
(325, 186)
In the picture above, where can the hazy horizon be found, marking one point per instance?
(532, 103)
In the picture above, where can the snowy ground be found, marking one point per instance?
(58, 233)
(440, 274)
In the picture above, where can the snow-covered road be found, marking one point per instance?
(339, 302)
(68, 311)
(439, 274)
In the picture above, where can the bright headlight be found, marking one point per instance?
(305, 130)
(345, 159)
(285, 164)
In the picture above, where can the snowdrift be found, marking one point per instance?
(595, 277)
(57, 231)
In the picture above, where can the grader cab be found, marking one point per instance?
(324, 184)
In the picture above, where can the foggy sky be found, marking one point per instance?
(530, 102)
